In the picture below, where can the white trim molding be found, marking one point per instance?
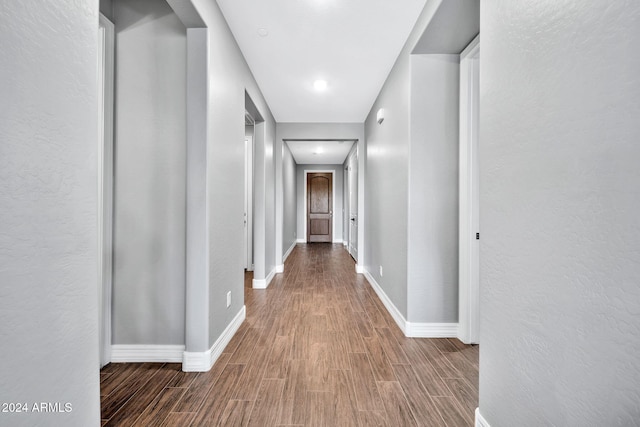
(360, 269)
(480, 421)
(203, 361)
(409, 329)
(280, 268)
(264, 283)
(138, 353)
(432, 330)
(286, 254)
(338, 241)
(468, 244)
(301, 241)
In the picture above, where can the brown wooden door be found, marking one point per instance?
(319, 207)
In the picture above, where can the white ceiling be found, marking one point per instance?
(352, 44)
(319, 152)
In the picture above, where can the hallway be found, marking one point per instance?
(318, 348)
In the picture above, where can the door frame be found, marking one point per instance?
(248, 193)
(333, 200)
(106, 51)
(469, 276)
(352, 181)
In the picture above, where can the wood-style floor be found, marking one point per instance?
(318, 348)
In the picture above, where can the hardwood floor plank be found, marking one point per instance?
(394, 352)
(192, 400)
(395, 404)
(344, 398)
(443, 367)
(338, 350)
(465, 393)
(380, 364)
(178, 419)
(373, 419)
(318, 409)
(145, 395)
(452, 413)
(236, 413)
(126, 390)
(294, 394)
(155, 414)
(182, 379)
(245, 349)
(364, 383)
(468, 370)
(279, 358)
(119, 375)
(216, 400)
(422, 406)
(424, 370)
(268, 406)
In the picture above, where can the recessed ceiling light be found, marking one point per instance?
(320, 85)
(263, 32)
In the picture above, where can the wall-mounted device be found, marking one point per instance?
(380, 115)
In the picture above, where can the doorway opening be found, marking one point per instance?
(319, 205)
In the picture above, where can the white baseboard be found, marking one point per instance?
(286, 254)
(410, 329)
(203, 361)
(344, 243)
(139, 353)
(338, 241)
(480, 421)
(264, 283)
(301, 241)
(280, 268)
(360, 269)
(432, 330)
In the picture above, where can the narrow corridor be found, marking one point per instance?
(318, 348)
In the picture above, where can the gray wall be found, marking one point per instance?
(289, 185)
(150, 174)
(229, 77)
(338, 187)
(433, 189)
(388, 148)
(106, 8)
(48, 215)
(559, 197)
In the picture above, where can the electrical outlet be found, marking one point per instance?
(228, 299)
(381, 274)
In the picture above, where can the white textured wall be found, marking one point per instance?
(150, 174)
(48, 210)
(559, 201)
